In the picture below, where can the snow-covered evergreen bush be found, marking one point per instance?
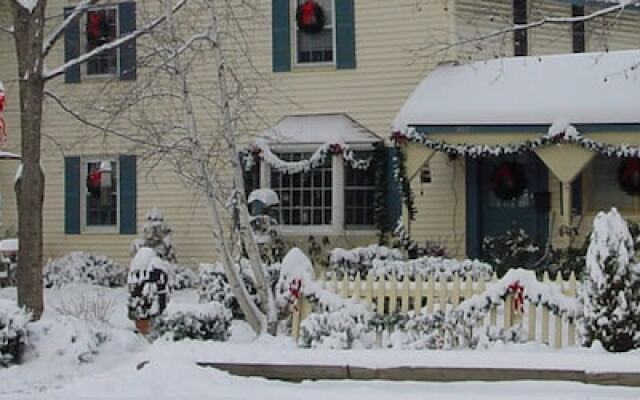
(428, 267)
(359, 260)
(13, 332)
(181, 277)
(156, 234)
(214, 285)
(421, 331)
(80, 267)
(208, 321)
(513, 249)
(295, 274)
(148, 285)
(611, 291)
(343, 328)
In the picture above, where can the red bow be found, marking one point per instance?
(399, 137)
(308, 12)
(94, 178)
(335, 148)
(518, 299)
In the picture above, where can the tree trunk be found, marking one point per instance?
(29, 29)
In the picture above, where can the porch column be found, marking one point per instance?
(566, 161)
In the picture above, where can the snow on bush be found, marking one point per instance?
(359, 260)
(429, 267)
(343, 328)
(181, 277)
(611, 292)
(147, 282)
(208, 321)
(156, 234)
(67, 337)
(296, 270)
(80, 267)
(13, 332)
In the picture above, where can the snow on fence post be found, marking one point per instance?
(571, 292)
(545, 313)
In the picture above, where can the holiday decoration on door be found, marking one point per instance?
(508, 180)
(310, 17)
(629, 176)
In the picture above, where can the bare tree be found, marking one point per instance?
(196, 94)
(32, 49)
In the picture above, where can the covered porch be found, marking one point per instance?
(546, 142)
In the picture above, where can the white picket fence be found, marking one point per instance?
(390, 296)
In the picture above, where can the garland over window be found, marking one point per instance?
(261, 150)
(557, 134)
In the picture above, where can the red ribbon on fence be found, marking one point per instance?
(295, 289)
(518, 299)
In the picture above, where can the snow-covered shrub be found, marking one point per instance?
(91, 307)
(214, 286)
(611, 291)
(209, 321)
(428, 267)
(421, 331)
(156, 234)
(344, 328)
(13, 332)
(181, 277)
(67, 337)
(359, 260)
(80, 267)
(148, 286)
(513, 249)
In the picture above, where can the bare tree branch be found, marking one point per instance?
(47, 75)
(77, 12)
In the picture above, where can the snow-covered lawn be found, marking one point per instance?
(52, 369)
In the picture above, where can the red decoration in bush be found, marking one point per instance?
(399, 137)
(508, 180)
(2, 100)
(629, 176)
(518, 300)
(295, 289)
(310, 17)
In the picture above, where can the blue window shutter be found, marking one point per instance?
(71, 48)
(128, 194)
(345, 34)
(281, 35)
(393, 200)
(127, 16)
(72, 190)
(472, 182)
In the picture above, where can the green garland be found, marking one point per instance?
(400, 173)
(379, 198)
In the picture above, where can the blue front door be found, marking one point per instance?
(489, 214)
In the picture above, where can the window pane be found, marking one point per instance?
(604, 190)
(359, 193)
(101, 27)
(101, 201)
(303, 195)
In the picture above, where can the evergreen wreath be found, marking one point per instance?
(310, 17)
(629, 176)
(508, 180)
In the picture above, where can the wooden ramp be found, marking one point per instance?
(299, 373)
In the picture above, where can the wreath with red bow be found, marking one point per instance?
(94, 181)
(310, 17)
(629, 176)
(508, 180)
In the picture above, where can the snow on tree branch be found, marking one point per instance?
(50, 74)
(77, 12)
(28, 5)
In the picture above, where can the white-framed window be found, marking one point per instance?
(100, 204)
(359, 194)
(318, 47)
(603, 190)
(328, 199)
(100, 26)
(306, 197)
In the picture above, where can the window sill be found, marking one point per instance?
(101, 231)
(325, 230)
(314, 67)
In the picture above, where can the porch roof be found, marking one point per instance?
(588, 88)
(319, 129)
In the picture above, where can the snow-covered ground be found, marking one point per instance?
(52, 369)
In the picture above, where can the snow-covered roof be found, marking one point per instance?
(319, 128)
(578, 88)
(5, 155)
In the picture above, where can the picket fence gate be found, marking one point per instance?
(389, 296)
